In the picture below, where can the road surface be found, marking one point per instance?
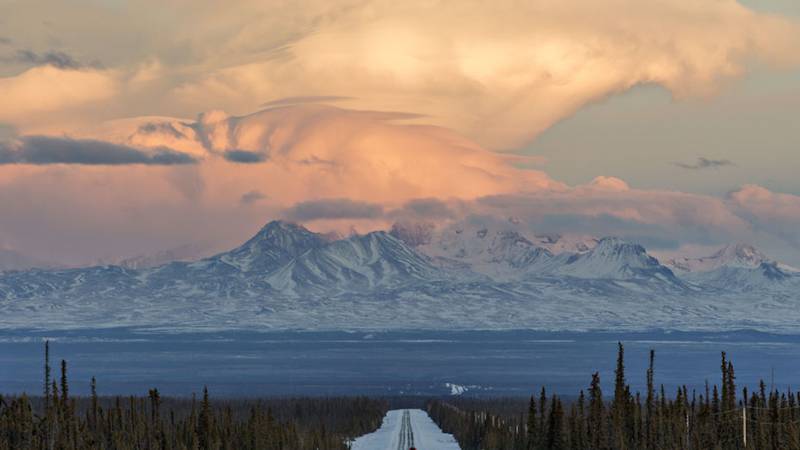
(406, 428)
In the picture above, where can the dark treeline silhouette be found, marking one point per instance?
(57, 420)
(715, 419)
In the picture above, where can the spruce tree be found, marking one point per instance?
(48, 412)
(581, 439)
(596, 420)
(94, 406)
(46, 375)
(650, 406)
(542, 429)
(531, 431)
(619, 406)
(204, 432)
(555, 429)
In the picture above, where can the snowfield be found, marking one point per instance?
(289, 278)
(403, 429)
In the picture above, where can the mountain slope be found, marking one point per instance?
(500, 253)
(735, 267)
(767, 276)
(615, 259)
(467, 277)
(734, 255)
(359, 262)
(275, 244)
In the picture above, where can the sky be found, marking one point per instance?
(127, 128)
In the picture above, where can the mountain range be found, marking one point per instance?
(415, 277)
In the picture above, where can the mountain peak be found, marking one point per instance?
(277, 242)
(738, 255)
(616, 258)
(283, 234)
(281, 226)
(612, 245)
(611, 241)
(502, 250)
(741, 254)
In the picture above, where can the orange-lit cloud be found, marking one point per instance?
(502, 72)
(768, 211)
(335, 169)
(464, 78)
(47, 91)
(305, 152)
(497, 72)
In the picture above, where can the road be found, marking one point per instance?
(406, 428)
(406, 439)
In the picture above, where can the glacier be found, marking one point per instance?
(288, 278)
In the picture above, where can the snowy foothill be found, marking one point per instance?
(406, 428)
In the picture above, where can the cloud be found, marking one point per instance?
(768, 211)
(369, 156)
(373, 169)
(7, 132)
(41, 150)
(56, 59)
(250, 197)
(161, 128)
(653, 236)
(303, 99)
(501, 73)
(244, 156)
(704, 163)
(188, 180)
(612, 184)
(423, 93)
(497, 73)
(337, 208)
(696, 215)
(46, 93)
(5, 41)
(424, 209)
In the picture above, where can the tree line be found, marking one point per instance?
(717, 418)
(58, 420)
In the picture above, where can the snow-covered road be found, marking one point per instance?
(406, 428)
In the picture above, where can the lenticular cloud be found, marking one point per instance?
(501, 73)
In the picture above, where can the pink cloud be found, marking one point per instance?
(338, 169)
(45, 91)
(774, 212)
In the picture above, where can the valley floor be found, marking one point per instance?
(406, 428)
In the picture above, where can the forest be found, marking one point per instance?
(718, 418)
(57, 420)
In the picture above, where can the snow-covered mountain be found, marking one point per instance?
(359, 263)
(273, 246)
(740, 267)
(498, 253)
(412, 277)
(614, 258)
(507, 253)
(733, 255)
(560, 243)
(766, 276)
